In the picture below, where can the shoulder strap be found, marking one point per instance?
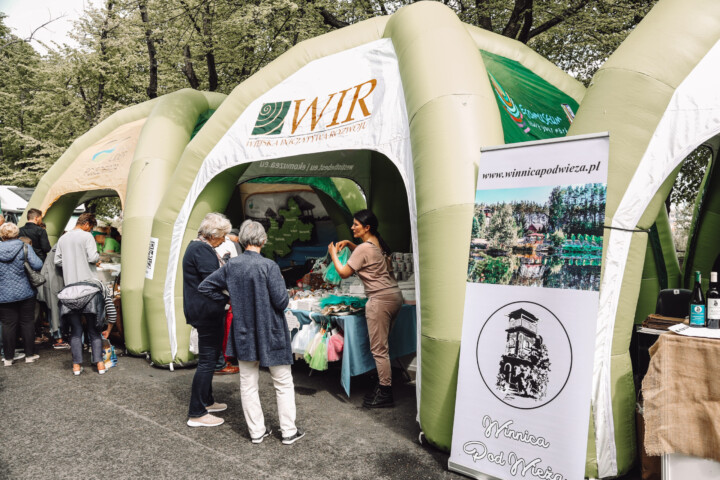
(25, 251)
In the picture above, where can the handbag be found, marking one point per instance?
(35, 278)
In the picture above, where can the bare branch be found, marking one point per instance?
(32, 34)
(564, 15)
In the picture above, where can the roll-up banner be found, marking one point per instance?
(531, 302)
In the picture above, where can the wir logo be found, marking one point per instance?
(338, 108)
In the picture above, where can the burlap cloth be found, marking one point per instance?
(681, 392)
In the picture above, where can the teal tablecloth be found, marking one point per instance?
(356, 358)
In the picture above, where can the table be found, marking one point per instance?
(682, 398)
(356, 358)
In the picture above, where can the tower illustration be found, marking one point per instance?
(523, 367)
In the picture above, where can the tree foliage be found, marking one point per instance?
(502, 229)
(132, 50)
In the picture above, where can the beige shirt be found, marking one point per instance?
(369, 263)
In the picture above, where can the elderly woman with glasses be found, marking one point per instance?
(206, 315)
(259, 336)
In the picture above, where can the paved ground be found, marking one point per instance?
(130, 424)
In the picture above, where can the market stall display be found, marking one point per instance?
(356, 357)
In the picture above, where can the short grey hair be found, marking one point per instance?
(252, 233)
(214, 225)
(9, 231)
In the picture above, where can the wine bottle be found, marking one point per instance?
(697, 304)
(713, 303)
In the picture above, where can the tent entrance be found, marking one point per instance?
(307, 202)
(63, 212)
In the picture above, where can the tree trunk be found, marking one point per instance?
(152, 52)
(103, 56)
(188, 69)
(515, 22)
(209, 48)
(483, 17)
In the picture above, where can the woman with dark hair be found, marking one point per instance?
(369, 260)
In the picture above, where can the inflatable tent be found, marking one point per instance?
(400, 105)
(397, 107)
(658, 98)
(132, 155)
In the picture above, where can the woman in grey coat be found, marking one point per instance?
(259, 335)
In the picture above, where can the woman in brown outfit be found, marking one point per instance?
(369, 261)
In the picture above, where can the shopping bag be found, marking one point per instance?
(310, 350)
(319, 360)
(331, 275)
(109, 355)
(194, 342)
(335, 346)
(303, 338)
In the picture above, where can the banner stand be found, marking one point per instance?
(531, 303)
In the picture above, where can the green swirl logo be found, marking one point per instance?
(271, 119)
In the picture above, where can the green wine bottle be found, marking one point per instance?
(713, 303)
(697, 304)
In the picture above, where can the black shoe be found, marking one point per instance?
(293, 438)
(371, 394)
(261, 437)
(382, 399)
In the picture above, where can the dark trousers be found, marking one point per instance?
(209, 346)
(76, 332)
(19, 313)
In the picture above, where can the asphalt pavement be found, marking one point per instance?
(130, 424)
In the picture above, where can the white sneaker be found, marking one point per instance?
(205, 421)
(19, 356)
(32, 358)
(217, 407)
(7, 363)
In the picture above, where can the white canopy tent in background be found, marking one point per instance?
(14, 200)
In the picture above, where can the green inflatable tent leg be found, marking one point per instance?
(162, 141)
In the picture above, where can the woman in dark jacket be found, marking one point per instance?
(260, 335)
(206, 315)
(17, 296)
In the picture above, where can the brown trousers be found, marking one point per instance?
(380, 312)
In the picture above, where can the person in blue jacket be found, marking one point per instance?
(17, 295)
(259, 336)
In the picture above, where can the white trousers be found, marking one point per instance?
(284, 392)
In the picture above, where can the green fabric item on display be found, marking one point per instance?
(530, 107)
(355, 302)
(331, 275)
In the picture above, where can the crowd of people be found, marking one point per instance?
(232, 295)
(71, 301)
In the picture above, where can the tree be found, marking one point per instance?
(557, 208)
(133, 50)
(502, 230)
(557, 238)
(577, 35)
